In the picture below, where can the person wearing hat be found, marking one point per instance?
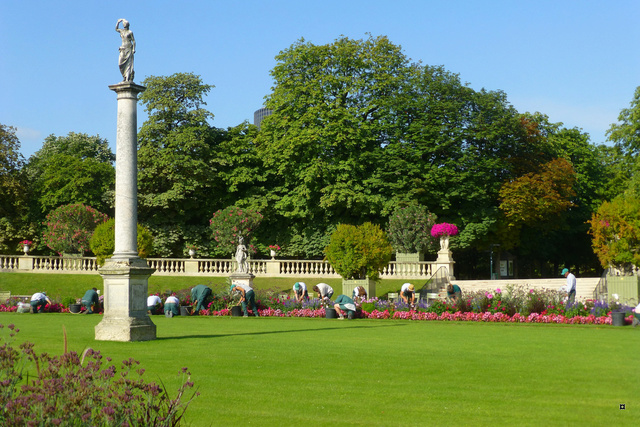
(408, 294)
(300, 291)
(454, 293)
(90, 301)
(172, 306)
(571, 286)
(199, 296)
(345, 303)
(38, 301)
(248, 297)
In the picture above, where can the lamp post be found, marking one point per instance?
(491, 273)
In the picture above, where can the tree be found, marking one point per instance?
(103, 241)
(409, 229)
(229, 224)
(76, 168)
(615, 229)
(177, 162)
(13, 190)
(535, 197)
(331, 106)
(626, 133)
(70, 227)
(358, 252)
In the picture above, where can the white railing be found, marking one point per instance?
(211, 267)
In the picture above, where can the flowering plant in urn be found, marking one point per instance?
(444, 230)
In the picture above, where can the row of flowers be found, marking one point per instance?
(421, 315)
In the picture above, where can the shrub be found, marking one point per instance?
(409, 229)
(103, 241)
(69, 228)
(358, 252)
(615, 231)
(228, 224)
(67, 301)
(68, 391)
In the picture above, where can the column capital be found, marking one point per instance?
(127, 88)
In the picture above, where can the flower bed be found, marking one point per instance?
(513, 305)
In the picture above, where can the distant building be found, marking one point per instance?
(259, 116)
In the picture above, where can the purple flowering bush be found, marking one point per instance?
(82, 390)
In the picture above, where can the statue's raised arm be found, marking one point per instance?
(127, 49)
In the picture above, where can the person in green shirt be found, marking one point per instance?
(200, 295)
(345, 303)
(91, 301)
(454, 293)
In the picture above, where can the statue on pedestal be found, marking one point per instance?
(127, 49)
(241, 256)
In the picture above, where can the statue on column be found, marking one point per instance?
(127, 49)
(241, 256)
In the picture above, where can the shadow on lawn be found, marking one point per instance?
(181, 337)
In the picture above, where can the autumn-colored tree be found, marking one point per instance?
(537, 196)
(615, 231)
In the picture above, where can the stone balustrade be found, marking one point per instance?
(214, 267)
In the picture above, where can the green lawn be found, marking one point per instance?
(301, 371)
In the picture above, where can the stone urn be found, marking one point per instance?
(444, 243)
(192, 253)
(273, 254)
(26, 249)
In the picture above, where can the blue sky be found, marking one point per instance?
(575, 60)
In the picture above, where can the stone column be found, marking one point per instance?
(126, 275)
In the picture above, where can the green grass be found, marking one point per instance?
(300, 371)
(59, 286)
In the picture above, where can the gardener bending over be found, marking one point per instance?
(199, 296)
(172, 306)
(300, 291)
(90, 301)
(325, 292)
(408, 294)
(248, 297)
(154, 303)
(454, 293)
(345, 303)
(38, 301)
(359, 293)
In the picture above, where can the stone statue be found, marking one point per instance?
(241, 257)
(127, 49)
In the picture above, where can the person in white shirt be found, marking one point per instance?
(571, 286)
(408, 294)
(248, 297)
(172, 306)
(154, 303)
(325, 292)
(38, 301)
(636, 316)
(300, 291)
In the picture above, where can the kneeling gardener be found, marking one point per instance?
(91, 300)
(343, 302)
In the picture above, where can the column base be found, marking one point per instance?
(125, 301)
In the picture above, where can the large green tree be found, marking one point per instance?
(331, 105)
(178, 184)
(13, 191)
(77, 168)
